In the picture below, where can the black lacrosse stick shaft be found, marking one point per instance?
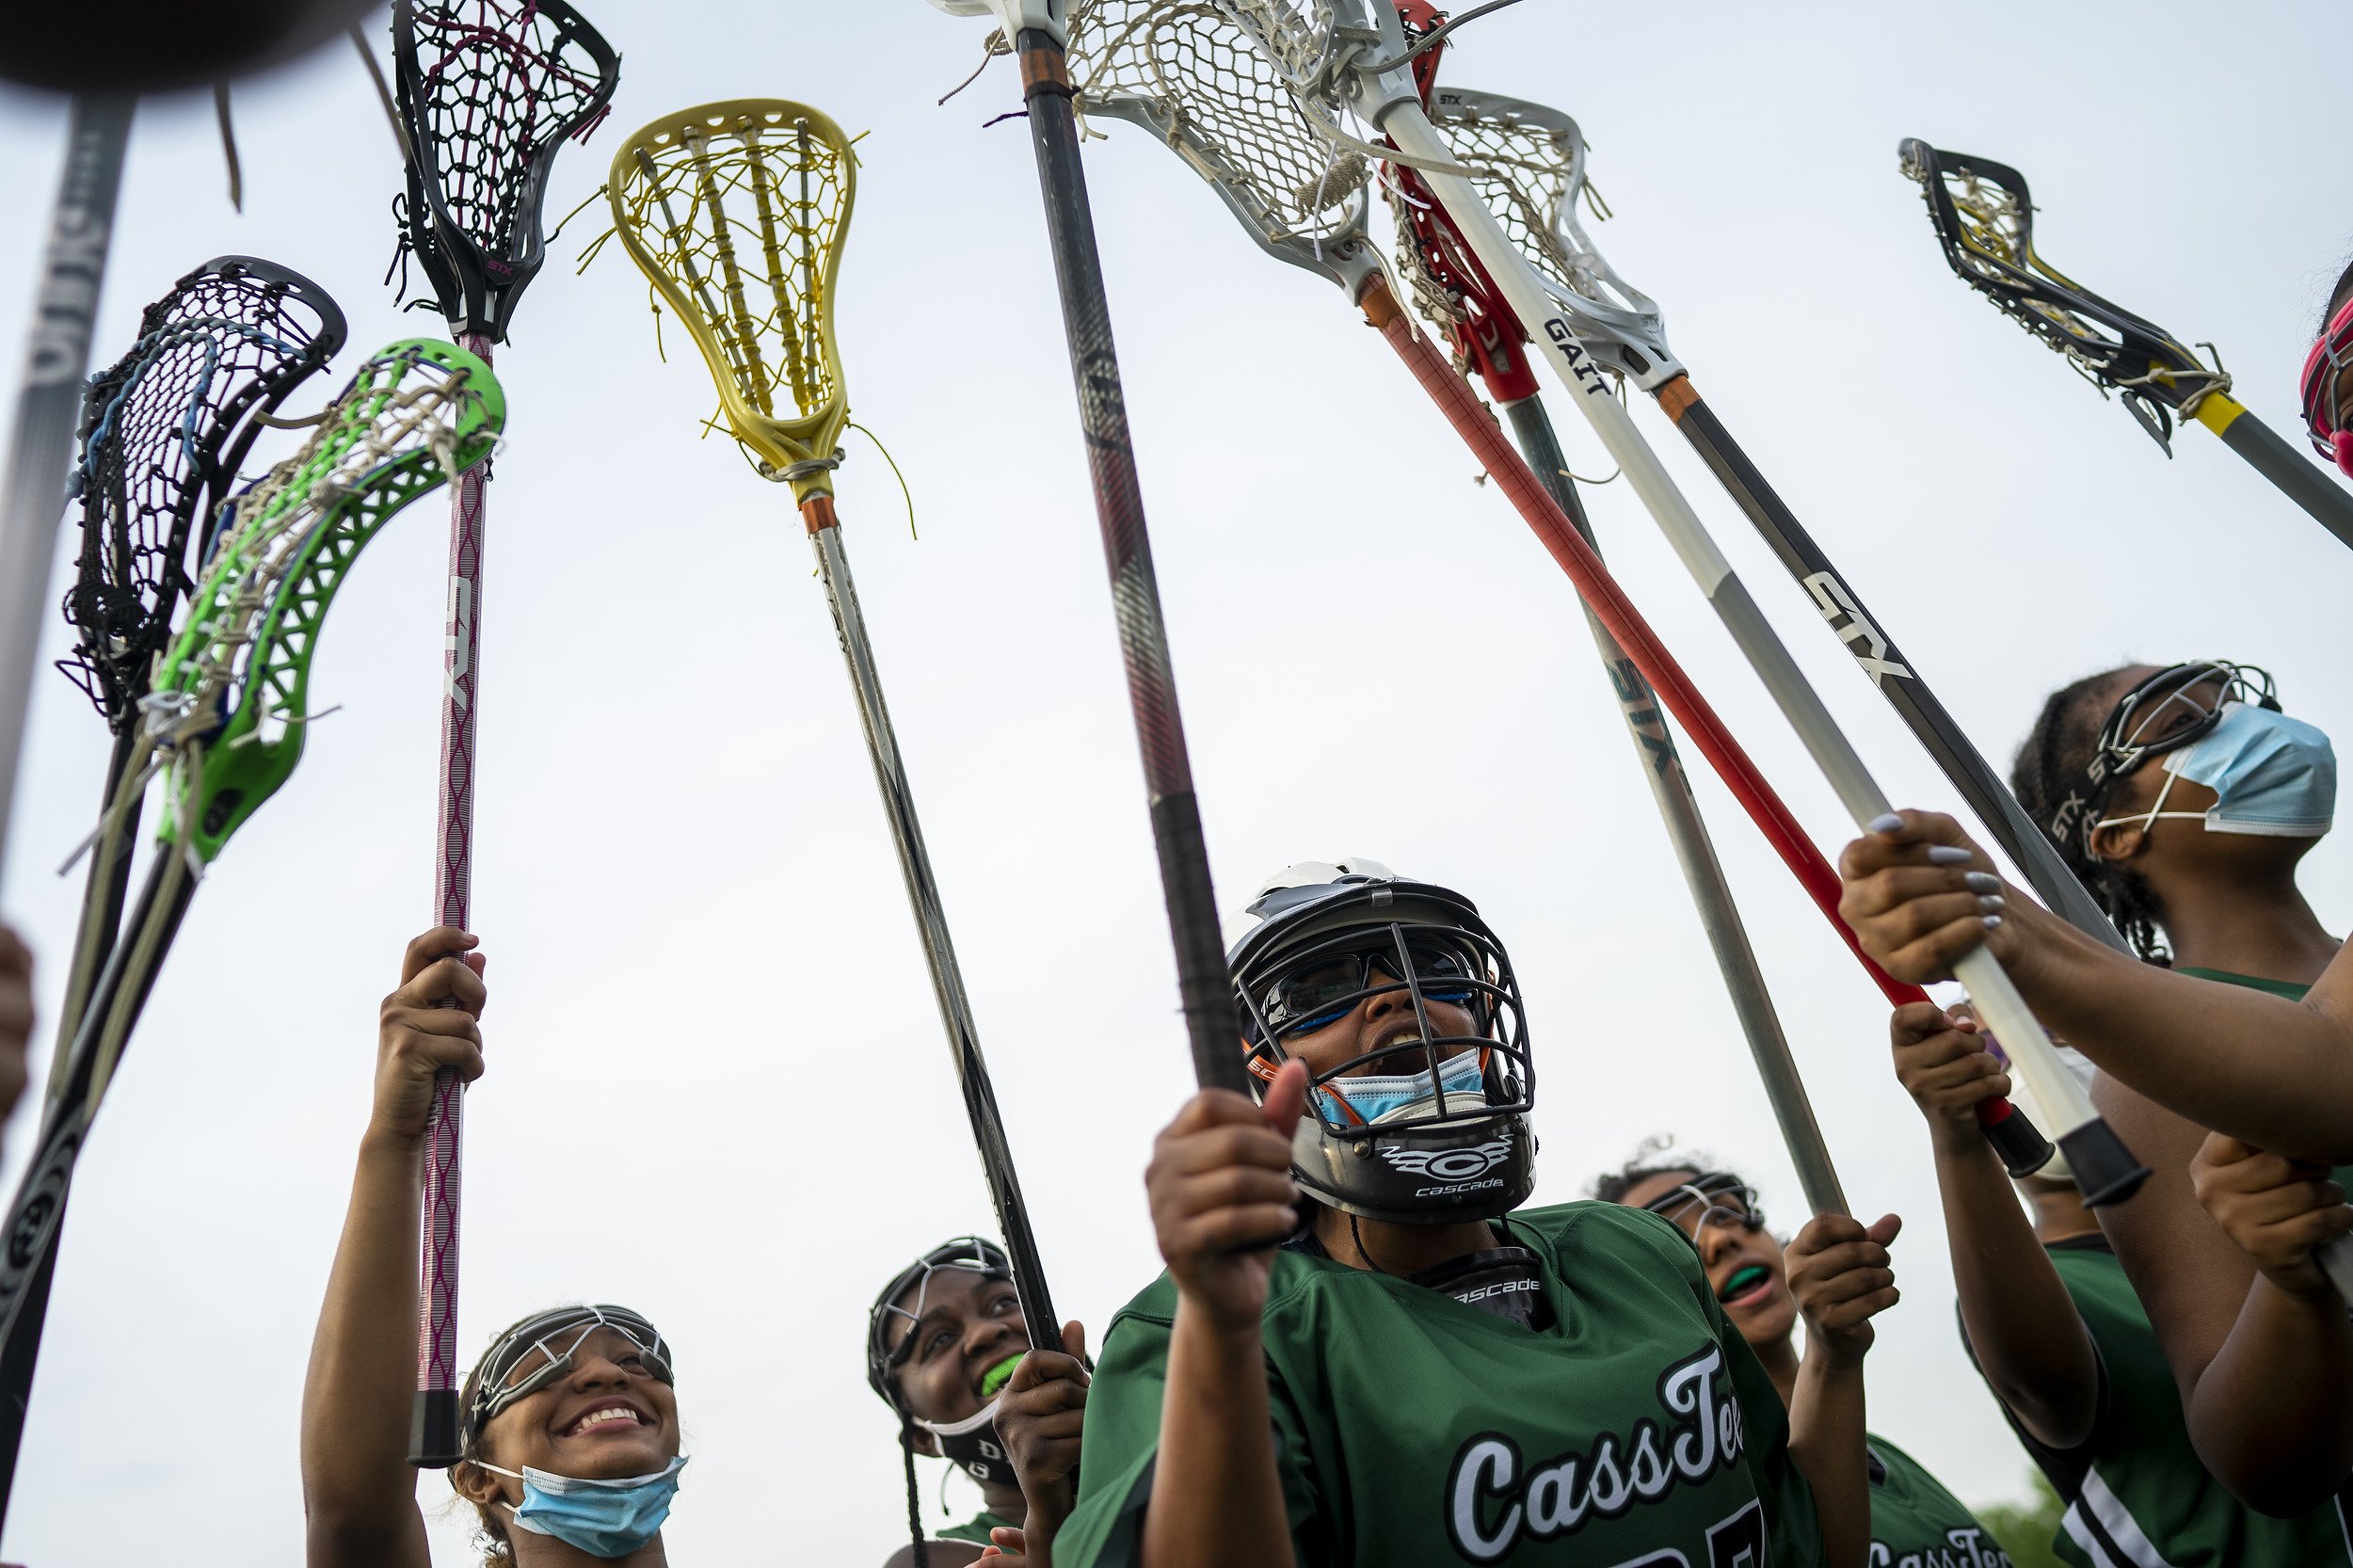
(1866, 639)
(1211, 1020)
(28, 1245)
(2297, 475)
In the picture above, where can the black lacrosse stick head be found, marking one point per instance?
(164, 432)
(1984, 219)
(488, 90)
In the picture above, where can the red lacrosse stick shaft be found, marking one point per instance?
(453, 901)
(1477, 427)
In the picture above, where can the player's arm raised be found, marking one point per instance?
(1221, 1198)
(1839, 1273)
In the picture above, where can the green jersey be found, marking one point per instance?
(2136, 1494)
(1634, 1429)
(976, 1528)
(1916, 1524)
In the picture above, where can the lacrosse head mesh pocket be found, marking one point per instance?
(164, 430)
(736, 213)
(487, 92)
(1984, 220)
(1190, 76)
(230, 701)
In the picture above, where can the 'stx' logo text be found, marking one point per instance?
(1862, 638)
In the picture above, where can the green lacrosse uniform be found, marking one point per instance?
(977, 1528)
(1634, 1429)
(1916, 1524)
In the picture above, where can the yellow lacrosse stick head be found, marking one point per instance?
(736, 212)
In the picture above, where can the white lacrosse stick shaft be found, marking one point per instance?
(1998, 1001)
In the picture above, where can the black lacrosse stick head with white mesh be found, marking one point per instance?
(1984, 219)
(164, 432)
(488, 90)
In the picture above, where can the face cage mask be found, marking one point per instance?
(554, 1334)
(2148, 722)
(2322, 367)
(1310, 989)
(1702, 1200)
(972, 1444)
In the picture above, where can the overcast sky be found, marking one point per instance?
(717, 1088)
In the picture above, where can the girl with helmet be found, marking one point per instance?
(948, 1350)
(2066, 1348)
(1356, 1357)
(2185, 798)
(570, 1423)
(1764, 1287)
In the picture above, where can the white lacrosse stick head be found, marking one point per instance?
(1185, 71)
(1527, 163)
(1016, 16)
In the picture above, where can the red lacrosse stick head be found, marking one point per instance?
(2323, 368)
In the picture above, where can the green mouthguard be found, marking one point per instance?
(997, 1377)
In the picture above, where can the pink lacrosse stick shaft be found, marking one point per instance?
(432, 1439)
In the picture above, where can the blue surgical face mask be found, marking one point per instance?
(604, 1518)
(2273, 775)
(1373, 1097)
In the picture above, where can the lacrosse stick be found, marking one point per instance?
(1529, 164)
(1035, 30)
(736, 212)
(487, 92)
(1322, 49)
(226, 717)
(164, 433)
(1187, 75)
(1985, 223)
(32, 492)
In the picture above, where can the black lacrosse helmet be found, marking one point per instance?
(487, 92)
(1319, 940)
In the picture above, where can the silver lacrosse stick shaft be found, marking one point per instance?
(1719, 915)
(49, 406)
(931, 925)
(2109, 1173)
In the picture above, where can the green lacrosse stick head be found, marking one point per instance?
(228, 701)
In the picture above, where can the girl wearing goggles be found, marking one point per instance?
(2186, 800)
(570, 1422)
(1834, 1276)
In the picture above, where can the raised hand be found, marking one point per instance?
(2276, 1209)
(1221, 1195)
(431, 1022)
(1921, 895)
(1040, 1416)
(1838, 1271)
(1943, 1063)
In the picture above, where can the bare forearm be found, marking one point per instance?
(359, 1490)
(1216, 1497)
(2276, 1073)
(1826, 1444)
(2272, 1417)
(2028, 1338)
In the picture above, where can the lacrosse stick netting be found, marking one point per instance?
(164, 432)
(737, 214)
(226, 719)
(1984, 220)
(1530, 164)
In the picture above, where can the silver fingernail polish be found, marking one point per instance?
(1948, 854)
(1888, 824)
(1992, 922)
(1991, 903)
(1983, 882)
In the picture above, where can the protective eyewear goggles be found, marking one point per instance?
(2323, 368)
(509, 1373)
(1714, 1199)
(974, 1255)
(1320, 989)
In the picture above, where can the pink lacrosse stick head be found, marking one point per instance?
(2322, 367)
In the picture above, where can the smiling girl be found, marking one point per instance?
(570, 1428)
(1913, 1518)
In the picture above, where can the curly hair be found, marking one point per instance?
(1653, 1157)
(2058, 750)
(2337, 296)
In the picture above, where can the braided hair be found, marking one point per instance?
(2057, 752)
(915, 1543)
